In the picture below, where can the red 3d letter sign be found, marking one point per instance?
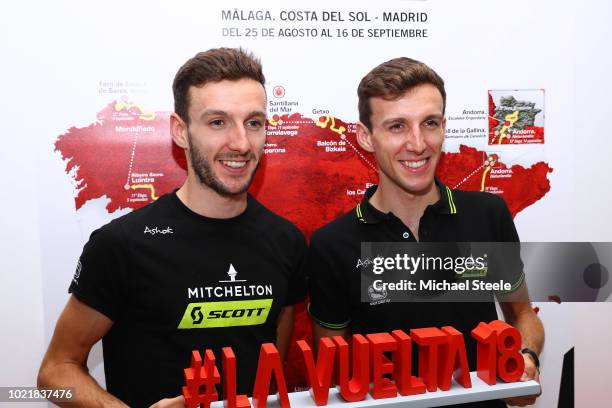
(381, 365)
(498, 352)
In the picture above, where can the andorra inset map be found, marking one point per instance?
(516, 116)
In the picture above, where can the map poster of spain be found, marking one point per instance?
(516, 117)
(308, 163)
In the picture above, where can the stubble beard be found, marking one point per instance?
(203, 170)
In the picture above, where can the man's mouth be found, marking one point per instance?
(232, 164)
(414, 164)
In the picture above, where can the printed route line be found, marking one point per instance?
(340, 131)
(484, 177)
(511, 118)
(128, 186)
(150, 187)
(326, 124)
(297, 122)
(343, 137)
(127, 182)
(281, 122)
(466, 178)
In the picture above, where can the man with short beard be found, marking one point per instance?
(203, 267)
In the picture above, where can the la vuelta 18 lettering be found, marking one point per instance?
(441, 350)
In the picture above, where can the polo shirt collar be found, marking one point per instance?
(368, 214)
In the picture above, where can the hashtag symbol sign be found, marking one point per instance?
(199, 378)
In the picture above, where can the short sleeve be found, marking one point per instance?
(100, 279)
(507, 228)
(297, 281)
(329, 300)
(512, 269)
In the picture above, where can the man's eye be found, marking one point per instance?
(396, 127)
(254, 124)
(431, 123)
(216, 123)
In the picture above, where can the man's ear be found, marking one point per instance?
(364, 137)
(178, 130)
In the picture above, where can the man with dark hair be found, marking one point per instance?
(203, 267)
(401, 110)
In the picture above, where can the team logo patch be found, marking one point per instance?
(77, 273)
(377, 296)
(204, 315)
(158, 230)
(476, 272)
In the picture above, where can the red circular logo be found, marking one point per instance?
(278, 91)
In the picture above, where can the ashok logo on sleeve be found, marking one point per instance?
(203, 315)
(157, 230)
(77, 274)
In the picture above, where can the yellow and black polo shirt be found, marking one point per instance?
(335, 259)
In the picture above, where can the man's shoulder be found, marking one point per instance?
(270, 222)
(346, 225)
(151, 216)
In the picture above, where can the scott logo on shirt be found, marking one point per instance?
(203, 315)
(156, 230)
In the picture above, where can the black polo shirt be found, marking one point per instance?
(334, 264)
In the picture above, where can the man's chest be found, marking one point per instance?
(206, 283)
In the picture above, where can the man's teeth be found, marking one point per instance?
(235, 164)
(414, 164)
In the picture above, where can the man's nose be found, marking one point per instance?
(239, 140)
(415, 140)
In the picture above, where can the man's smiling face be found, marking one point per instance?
(226, 133)
(407, 136)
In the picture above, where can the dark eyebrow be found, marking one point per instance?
(257, 113)
(216, 112)
(394, 120)
(435, 116)
(400, 119)
(212, 112)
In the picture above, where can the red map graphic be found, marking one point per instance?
(128, 156)
(306, 184)
(105, 156)
(519, 186)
